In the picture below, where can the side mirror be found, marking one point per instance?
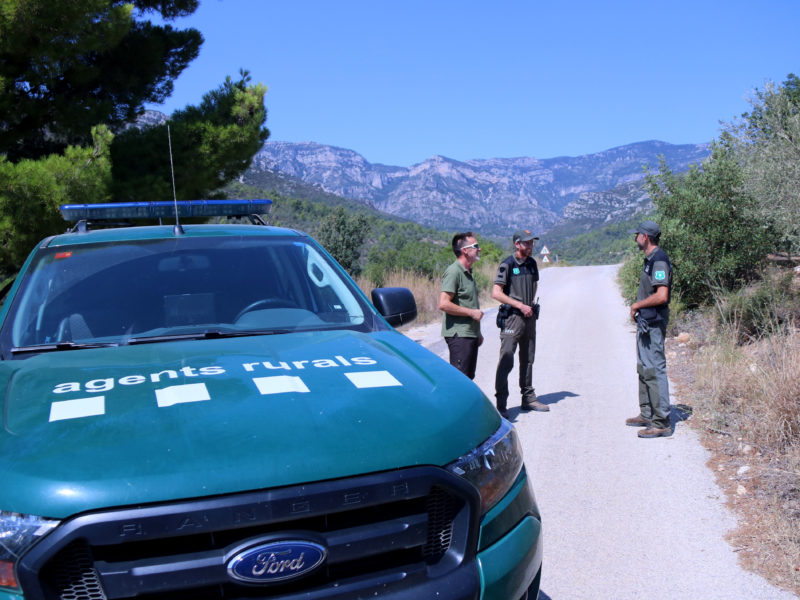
(396, 304)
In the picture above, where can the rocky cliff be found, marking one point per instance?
(493, 196)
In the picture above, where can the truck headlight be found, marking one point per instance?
(493, 466)
(17, 534)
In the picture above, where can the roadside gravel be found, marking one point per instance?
(623, 517)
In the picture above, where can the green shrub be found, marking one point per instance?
(767, 307)
(712, 231)
(629, 275)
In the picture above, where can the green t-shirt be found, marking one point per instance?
(459, 282)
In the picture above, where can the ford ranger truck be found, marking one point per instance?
(209, 411)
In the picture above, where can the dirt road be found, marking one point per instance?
(623, 517)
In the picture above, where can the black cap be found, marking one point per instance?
(523, 235)
(649, 228)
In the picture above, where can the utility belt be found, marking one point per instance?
(507, 310)
(651, 315)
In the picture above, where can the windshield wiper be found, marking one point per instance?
(212, 334)
(62, 346)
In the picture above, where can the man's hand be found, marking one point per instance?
(499, 295)
(447, 305)
(657, 298)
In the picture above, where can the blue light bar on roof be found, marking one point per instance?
(165, 210)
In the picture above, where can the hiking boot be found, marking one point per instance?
(639, 421)
(536, 405)
(654, 432)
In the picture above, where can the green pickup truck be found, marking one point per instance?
(216, 411)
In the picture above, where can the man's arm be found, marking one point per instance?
(657, 298)
(499, 295)
(447, 305)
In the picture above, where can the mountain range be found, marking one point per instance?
(491, 196)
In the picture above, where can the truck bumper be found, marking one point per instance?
(509, 566)
(510, 548)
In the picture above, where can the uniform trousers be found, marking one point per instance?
(652, 369)
(463, 354)
(518, 332)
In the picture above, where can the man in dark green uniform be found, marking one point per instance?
(461, 323)
(515, 286)
(651, 313)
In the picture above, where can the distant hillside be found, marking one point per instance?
(291, 187)
(581, 207)
(492, 196)
(594, 227)
(586, 243)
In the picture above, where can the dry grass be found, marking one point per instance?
(755, 389)
(426, 292)
(746, 401)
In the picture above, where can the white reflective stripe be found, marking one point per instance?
(178, 394)
(78, 408)
(372, 379)
(280, 384)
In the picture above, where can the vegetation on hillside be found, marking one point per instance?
(368, 243)
(608, 245)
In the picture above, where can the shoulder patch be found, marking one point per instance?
(660, 275)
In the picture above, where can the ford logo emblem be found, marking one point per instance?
(276, 561)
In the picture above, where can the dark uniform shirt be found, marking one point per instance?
(657, 271)
(518, 278)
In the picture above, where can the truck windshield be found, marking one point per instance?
(135, 291)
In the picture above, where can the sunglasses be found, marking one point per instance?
(476, 245)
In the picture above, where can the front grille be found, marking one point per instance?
(73, 576)
(441, 509)
(394, 528)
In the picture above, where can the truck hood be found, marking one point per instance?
(98, 428)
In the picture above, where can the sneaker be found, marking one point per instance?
(536, 405)
(639, 421)
(654, 432)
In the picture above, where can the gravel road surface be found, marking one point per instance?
(623, 517)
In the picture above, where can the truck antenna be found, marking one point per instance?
(177, 228)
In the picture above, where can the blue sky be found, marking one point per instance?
(399, 82)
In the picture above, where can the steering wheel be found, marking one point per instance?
(263, 303)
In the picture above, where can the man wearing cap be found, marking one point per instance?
(651, 313)
(458, 300)
(515, 286)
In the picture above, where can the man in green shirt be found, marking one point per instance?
(461, 323)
